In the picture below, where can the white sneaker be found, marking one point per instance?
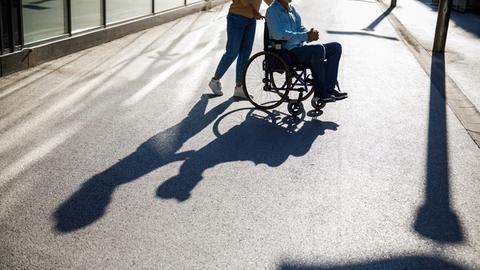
(239, 93)
(216, 87)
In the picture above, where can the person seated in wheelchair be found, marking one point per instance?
(285, 25)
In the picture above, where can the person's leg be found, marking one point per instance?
(235, 29)
(314, 56)
(333, 54)
(245, 50)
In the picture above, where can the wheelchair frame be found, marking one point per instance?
(297, 77)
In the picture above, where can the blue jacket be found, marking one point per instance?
(286, 25)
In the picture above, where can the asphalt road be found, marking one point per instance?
(117, 158)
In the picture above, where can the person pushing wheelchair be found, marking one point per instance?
(284, 23)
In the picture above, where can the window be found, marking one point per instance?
(161, 5)
(86, 14)
(193, 1)
(119, 10)
(43, 19)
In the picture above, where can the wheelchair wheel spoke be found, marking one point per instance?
(266, 88)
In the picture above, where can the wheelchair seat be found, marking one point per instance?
(275, 46)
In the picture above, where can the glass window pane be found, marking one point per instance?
(86, 14)
(119, 10)
(161, 5)
(43, 19)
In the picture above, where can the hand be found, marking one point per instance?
(257, 15)
(313, 35)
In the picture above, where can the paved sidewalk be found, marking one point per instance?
(462, 61)
(117, 158)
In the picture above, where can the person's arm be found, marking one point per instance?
(278, 31)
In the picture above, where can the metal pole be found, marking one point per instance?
(104, 13)
(1, 30)
(153, 6)
(443, 19)
(10, 26)
(69, 17)
(21, 38)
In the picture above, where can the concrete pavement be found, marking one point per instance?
(461, 59)
(115, 158)
(451, 76)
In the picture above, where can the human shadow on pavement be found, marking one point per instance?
(436, 219)
(395, 263)
(89, 203)
(262, 138)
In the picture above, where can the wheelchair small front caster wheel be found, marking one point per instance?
(317, 104)
(295, 107)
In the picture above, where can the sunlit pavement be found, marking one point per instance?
(420, 17)
(115, 158)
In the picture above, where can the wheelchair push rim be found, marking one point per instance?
(266, 80)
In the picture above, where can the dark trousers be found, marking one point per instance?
(324, 73)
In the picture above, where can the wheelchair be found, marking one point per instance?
(274, 76)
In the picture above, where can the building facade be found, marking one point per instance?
(28, 26)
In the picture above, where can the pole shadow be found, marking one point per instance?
(366, 1)
(89, 203)
(395, 263)
(358, 33)
(378, 20)
(263, 138)
(436, 219)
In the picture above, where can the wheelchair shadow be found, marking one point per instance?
(89, 203)
(263, 138)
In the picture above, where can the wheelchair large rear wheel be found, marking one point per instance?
(266, 80)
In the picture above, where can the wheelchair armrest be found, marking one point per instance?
(276, 44)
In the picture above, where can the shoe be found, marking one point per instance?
(216, 87)
(310, 81)
(338, 95)
(239, 93)
(325, 98)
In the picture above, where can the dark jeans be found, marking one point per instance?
(324, 73)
